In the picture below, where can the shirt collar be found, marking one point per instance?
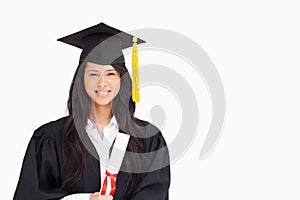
(110, 131)
(113, 122)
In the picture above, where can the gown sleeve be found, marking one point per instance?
(155, 184)
(40, 174)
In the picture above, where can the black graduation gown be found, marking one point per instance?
(43, 171)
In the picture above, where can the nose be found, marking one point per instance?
(102, 81)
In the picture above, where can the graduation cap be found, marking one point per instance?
(103, 44)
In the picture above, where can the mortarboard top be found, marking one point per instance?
(103, 44)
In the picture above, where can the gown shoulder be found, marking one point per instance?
(51, 129)
(152, 136)
(40, 176)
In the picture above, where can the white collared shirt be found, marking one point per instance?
(110, 131)
(102, 147)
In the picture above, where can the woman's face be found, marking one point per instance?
(102, 83)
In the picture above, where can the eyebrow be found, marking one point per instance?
(110, 70)
(94, 70)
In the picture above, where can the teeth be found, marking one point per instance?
(102, 92)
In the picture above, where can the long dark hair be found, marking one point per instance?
(123, 108)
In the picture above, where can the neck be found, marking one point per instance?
(101, 114)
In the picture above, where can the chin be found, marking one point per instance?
(103, 103)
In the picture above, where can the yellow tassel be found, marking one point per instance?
(135, 72)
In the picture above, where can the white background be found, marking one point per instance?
(255, 46)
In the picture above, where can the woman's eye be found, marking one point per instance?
(94, 74)
(111, 74)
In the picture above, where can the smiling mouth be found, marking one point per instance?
(102, 92)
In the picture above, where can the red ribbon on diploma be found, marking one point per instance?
(113, 178)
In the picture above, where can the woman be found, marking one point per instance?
(82, 156)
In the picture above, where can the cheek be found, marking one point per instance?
(86, 84)
(89, 83)
(116, 85)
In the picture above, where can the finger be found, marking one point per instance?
(95, 194)
(107, 197)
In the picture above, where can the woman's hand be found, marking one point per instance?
(97, 196)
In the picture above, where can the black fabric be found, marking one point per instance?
(43, 171)
(101, 44)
